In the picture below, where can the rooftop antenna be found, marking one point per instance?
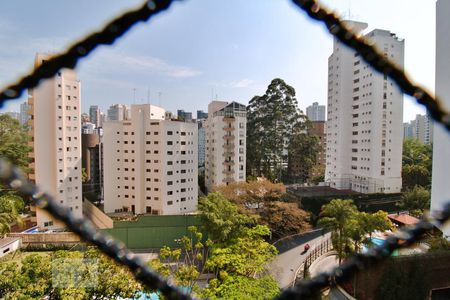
(159, 98)
(134, 95)
(148, 95)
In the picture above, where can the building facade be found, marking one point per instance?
(201, 115)
(201, 142)
(440, 191)
(421, 128)
(184, 115)
(364, 124)
(94, 115)
(55, 128)
(318, 129)
(151, 164)
(118, 112)
(24, 116)
(316, 112)
(225, 133)
(92, 163)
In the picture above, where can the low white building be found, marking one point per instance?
(9, 244)
(150, 164)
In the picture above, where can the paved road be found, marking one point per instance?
(285, 264)
(324, 265)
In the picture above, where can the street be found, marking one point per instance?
(285, 265)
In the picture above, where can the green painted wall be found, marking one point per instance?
(152, 231)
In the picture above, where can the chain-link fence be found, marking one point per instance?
(14, 178)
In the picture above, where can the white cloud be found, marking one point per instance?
(146, 64)
(242, 83)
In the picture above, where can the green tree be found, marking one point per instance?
(42, 275)
(302, 157)
(336, 216)
(241, 287)
(416, 164)
(185, 265)
(246, 255)
(10, 207)
(14, 142)
(221, 218)
(416, 200)
(284, 218)
(252, 193)
(271, 119)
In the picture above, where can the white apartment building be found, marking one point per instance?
(225, 132)
(440, 190)
(315, 112)
(421, 128)
(55, 127)
(364, 125)
(150, 164)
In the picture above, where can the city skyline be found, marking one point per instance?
(194, 64)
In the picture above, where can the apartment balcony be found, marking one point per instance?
(31, 154)
(30, 122)
(228, 137)
(30, 101)
(228, 172)
(31, 176)
(228, 153)
(30, 143)
(228, 163)
(31, 165)
(227, 128)
(228, 119)
(228, 146)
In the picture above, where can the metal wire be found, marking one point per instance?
(375, 59)
(70, 58)
(14, 178)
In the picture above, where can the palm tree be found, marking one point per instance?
(337, 216)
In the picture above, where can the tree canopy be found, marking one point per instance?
(272, 121)
(348, 226)
(416, 164)
(14, 142)
(416, 200)
(221, 217)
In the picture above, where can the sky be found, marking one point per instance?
(201, 50)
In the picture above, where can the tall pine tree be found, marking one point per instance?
(271, 120)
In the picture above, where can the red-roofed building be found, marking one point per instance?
(403, 219)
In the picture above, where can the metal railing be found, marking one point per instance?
(15, 179)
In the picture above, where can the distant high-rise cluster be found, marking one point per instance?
(316, 112)
(55, 127)
(225, 133)
(421, 128)
(364, 125)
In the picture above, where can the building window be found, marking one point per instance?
(169, 202)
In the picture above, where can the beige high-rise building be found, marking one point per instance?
(364, 125)
(150, 163)
(225, 134)
(55, 128)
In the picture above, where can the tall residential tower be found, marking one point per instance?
(225, 132)
(364, 125)
(55, 128)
